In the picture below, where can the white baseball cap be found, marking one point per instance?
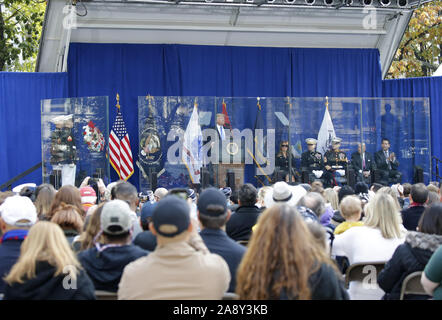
(18, 208)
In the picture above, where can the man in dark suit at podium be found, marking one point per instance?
(362, 163)
(387, 164)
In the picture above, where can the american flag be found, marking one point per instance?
(120, 154)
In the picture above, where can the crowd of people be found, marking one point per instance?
(281, 241)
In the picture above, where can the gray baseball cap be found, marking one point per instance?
(116, 217)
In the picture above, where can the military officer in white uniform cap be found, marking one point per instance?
(335, 162)
(312, 161)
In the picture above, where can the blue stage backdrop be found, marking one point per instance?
(422, 87)
(135, 70)
(20, 126)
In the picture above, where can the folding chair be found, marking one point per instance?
(359, 271)
(230, 296)
(412, 285)
(106, 295)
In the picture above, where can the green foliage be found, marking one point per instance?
(420, 51)
(20, 30)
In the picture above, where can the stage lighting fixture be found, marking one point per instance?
(290, 1)
(310, 2)
(271, 1)
(328, 2)
(402, 3)
(385, 3)
(366, 3)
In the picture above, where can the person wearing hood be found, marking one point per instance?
(47, 269)
(105, 263)
(414, 254)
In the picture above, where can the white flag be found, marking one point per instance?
(192, 146)
(326, 134)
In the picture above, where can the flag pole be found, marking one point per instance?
(290, 145)
(250, 153)
(118, 102)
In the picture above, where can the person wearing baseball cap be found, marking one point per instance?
(213, 214)
(105, 262)
(181, 267)
(146, 239)
(17, 215)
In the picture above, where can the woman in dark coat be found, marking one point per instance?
(47, 269)
(414, 254)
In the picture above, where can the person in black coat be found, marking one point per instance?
(387, 164)
(213, 214)
(411, 215)
(239, 226)
(362, 163)
(146, 239)
(414, 254)
(282, 163)
(55, 272)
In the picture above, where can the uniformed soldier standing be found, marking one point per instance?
(312, 160)
(334, 160)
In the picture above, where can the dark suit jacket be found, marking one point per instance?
(239, 226)
(381, 163)
(356, 161)
(411, 216)
(218, 242)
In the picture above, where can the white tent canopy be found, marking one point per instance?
(438, 72)
(224, 23)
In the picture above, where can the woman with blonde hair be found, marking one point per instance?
(69, 195)
(44, 195)
(47, 269)
(93, 227)
(68, 217)
(331, 196)
(393, 194)
(375, 241)
(283, 261)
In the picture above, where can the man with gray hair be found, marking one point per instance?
(160, 193)
(362, 163)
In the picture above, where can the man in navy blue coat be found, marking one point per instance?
(418, 198)
(213, 215)
(18, 214)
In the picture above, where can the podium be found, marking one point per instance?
(221, 175)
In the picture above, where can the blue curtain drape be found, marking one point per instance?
(135, 70)
(336, 72)
(422, 87)
(20, 126)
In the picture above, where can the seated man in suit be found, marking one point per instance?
(311, 160)
(362, 163)
(387, 164)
